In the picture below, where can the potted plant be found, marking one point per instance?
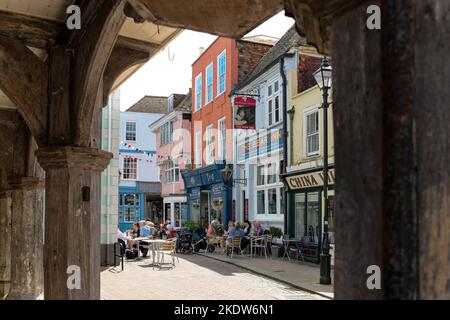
(276, 234)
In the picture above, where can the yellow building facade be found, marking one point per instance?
(304, 177)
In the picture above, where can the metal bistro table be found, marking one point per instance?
(155, 243)
(286, 243)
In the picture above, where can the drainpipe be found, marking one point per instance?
(285, 139)
(108, 178)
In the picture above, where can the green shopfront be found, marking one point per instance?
(306, 210)
(208, 197)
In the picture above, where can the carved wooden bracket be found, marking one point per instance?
(24, 78)
(313, 19)
(126, 54)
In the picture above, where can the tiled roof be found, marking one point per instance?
(289, 40)
(150, 104)
(186, 103)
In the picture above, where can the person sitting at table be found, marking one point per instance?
(124, 241)
(247, 228)
(237, 231)
(136, 231)
(146, 230)
(213, 230)
(259, 230)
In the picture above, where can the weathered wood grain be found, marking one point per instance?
(93, 51)
(432, 116)
(358, 138)
(34, 32)
(24, 79)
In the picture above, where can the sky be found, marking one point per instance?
(162, 76)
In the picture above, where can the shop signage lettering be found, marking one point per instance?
(310, 180)
(261, 144)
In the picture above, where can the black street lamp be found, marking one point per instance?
(323, 77)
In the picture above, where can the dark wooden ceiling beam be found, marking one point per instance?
(229, 18)
(93, 48)
(137, 45)
(24, 80)
(122, 58)
(34, 32)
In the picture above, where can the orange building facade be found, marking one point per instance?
(214, 73)
(207, 111)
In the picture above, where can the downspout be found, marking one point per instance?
(285, 139)
(108, 175)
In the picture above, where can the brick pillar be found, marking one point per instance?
(72, 220)
(27, 206)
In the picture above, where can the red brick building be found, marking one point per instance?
(222, 65)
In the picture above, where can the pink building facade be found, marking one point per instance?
(173, 148)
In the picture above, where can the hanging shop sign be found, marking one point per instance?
(244, 113)
(310, 180)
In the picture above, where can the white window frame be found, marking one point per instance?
(166, 133)
(135, 130)
(308, 112)
(124, 168)
(198, 104)
(272, 98)
(198, 148)
(265, 187)
(209, 99)
(172, 171)
(209, 136)
(219, 92)
(222, 138)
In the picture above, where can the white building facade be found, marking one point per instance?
(139, 186)
(259, 153)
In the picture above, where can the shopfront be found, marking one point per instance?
(131, 208)
(175, 210)
(260, 162)
(208, 197)
(306, 213)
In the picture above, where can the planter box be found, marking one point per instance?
(276, 251)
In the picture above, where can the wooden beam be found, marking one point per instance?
(230, 18)
(136, 45)
(94, 44)
(24, 80)
(121, 59)
(313, 19)
(34, 32)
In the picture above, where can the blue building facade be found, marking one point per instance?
(209, 197)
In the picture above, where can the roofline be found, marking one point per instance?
(260, 43)
(158, 123)
(270, 65)
(209, 47)
(235, 40)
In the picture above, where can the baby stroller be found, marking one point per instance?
(184, 240)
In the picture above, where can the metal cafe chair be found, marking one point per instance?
(259, 243)
(234, 245)
(167, 248)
